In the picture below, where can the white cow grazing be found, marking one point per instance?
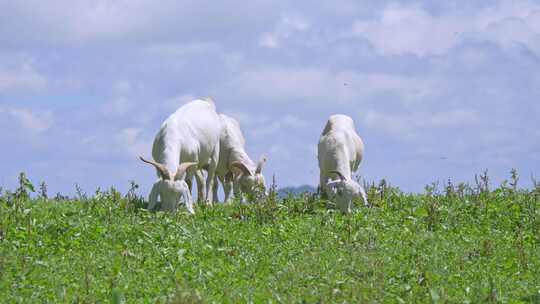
(340, 152)
(189, 137)
(235, 168)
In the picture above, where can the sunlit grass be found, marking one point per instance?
(456, 243)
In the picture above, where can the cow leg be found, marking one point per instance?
(215, 189)
(200, 186)
(227, 183)
(189, 180)
(212, 166)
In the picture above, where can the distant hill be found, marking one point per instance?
(284, 192)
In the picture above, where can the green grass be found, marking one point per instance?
(459, 245)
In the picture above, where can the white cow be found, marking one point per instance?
(189, 137)
(340, 152)
(235, 168)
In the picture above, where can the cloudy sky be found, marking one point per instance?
(438, 89)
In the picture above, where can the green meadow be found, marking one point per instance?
(453, 243)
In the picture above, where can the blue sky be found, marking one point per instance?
(438, 89)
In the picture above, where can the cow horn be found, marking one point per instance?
(182, 168)
(163, 171)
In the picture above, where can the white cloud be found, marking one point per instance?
(293, 121)
(246, 119)
(317, 85)
(120, 105)
(22, 77)
(133, 142)
(411, 29)
(106, 19)
(402, 29)
(287, 27)
(533, 20)
(136, 22)
(510, 32)
(269, 40)
(33, 121)
(122, 87)
(181, 50)
(280, 151)
(260, 125)
(262, 128)
(501, 10)
(406, 126)
(262, 131)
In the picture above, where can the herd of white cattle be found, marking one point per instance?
(195, 139)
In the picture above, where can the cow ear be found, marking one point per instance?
(333, 183)
(260, 165)
(341, 176)
(241, 167)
